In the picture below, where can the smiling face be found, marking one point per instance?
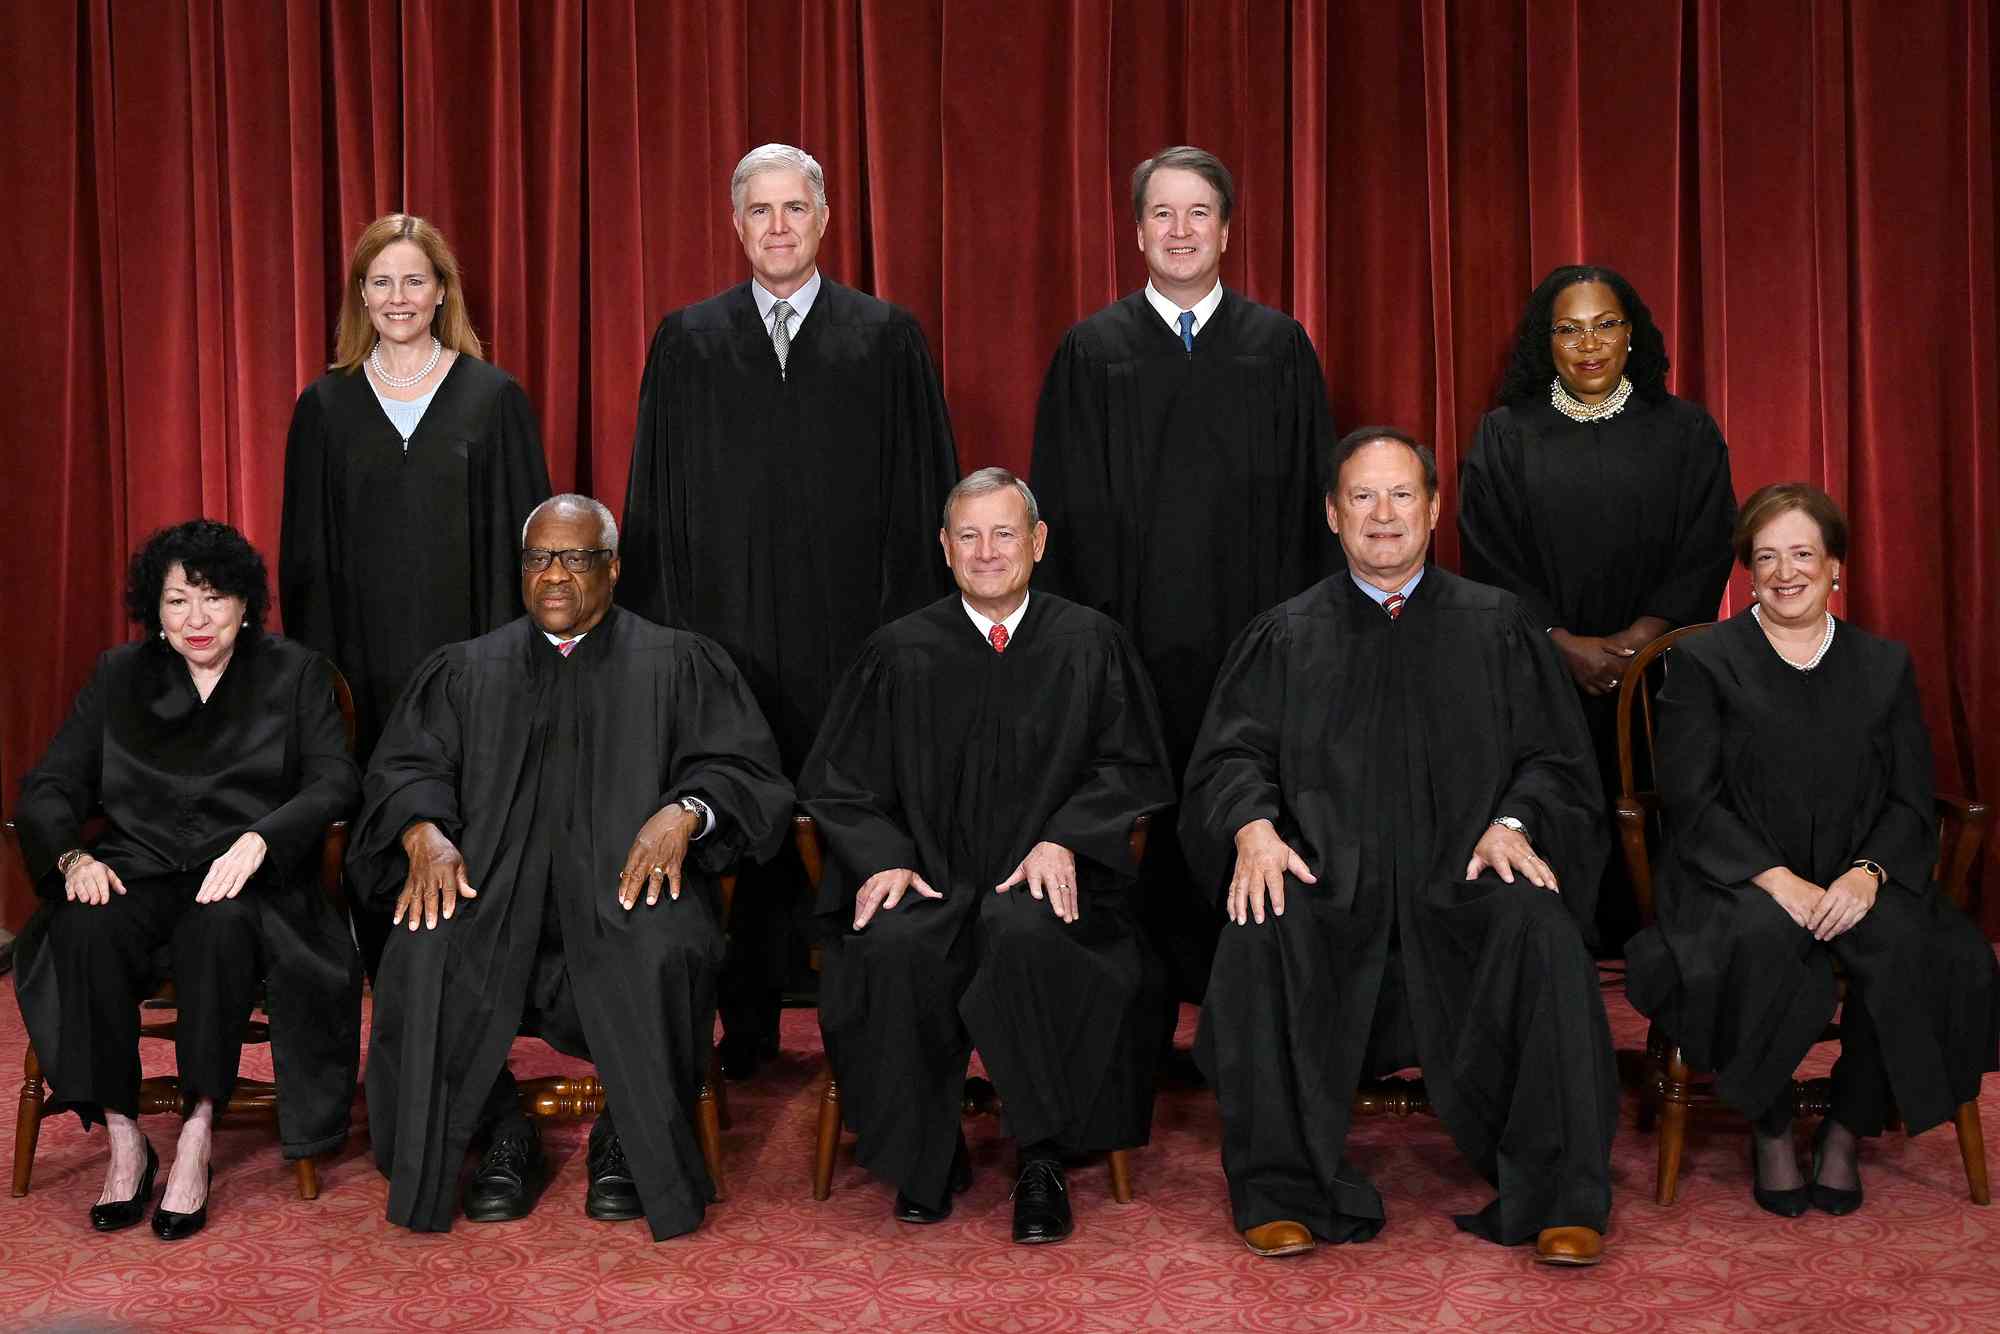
(1382, 513)
(1791, 575)
(564, 603)
(1182, 234)
(1591, 369)
(992, 550)
(401, 293)
(199, 623)
(780, 229)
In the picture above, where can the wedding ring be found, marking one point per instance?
(657, 868)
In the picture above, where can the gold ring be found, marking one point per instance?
(657, 868)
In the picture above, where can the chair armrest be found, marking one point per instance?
(1961, 829)
(1634, 815)
(1137, 840)
(812, 849)
(332, 860)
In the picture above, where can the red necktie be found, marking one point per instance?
(998, 634)
(1393, 604)
(567, 644)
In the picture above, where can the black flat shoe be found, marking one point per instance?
(509, 1179)
(1784, 1203)
(1832, 1199)
(1041, 1204)
(121, 1214)
(908, 1210)
(613, 1196)
(170, 1226)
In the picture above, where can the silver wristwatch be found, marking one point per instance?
(698, 808)
(1509, 822)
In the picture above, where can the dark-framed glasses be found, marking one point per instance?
(577, 560)
(1570, 334)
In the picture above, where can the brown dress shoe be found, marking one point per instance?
(1283, 1237)
(1569, 1246)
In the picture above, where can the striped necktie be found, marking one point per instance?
(567, 644)
(1393, 604)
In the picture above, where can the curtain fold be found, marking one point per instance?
(1803, 190)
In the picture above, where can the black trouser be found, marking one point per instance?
(106, 964)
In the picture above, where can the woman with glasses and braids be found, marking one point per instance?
(1598, 498)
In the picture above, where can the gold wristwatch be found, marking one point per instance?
(1874, 869)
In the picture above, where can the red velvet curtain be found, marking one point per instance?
(1803, 191)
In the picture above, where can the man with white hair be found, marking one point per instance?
(791, 452)
(547, 814)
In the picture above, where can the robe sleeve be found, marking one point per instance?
(329, 784)
(1071, 474)
(1706, 834)
(849, 787)
(1691, 589)
(919, 462)
(1903, 839)
(309, 538)
(724, 753)
(507, 475)
(1554, 789)
(61, 792)
(1232, 776)
(648, 577)
(1129, 774)
(412, 775)
(1493, 542)
(1310, 548)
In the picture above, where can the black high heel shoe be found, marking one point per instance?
(1832, 1199)
(1784, 1203)
(121, 1214)
(170, 1226)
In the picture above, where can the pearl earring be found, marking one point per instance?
(1836, 583)
(163, 634)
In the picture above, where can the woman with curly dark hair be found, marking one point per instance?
(216, 757)
(1598, 498)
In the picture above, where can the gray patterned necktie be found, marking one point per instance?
(781, 332)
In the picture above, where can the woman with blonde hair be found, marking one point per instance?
(410, 467)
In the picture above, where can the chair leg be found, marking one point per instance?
(1121, 1176)
(1673, 1126)
(708, 1129)
(308, 1174)
(719, 1085)
(1971, 1147)
(828, 1141)
(28, 1122)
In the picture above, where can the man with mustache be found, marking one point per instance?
(547, 814)
(791, 453)
(1394, 797)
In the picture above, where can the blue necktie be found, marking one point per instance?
(1187, 330)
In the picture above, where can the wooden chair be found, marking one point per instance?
(1670, 1088)
(980, 1096)
(161, 1094)
(580, 1097)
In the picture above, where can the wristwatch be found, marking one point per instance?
(1509, 822)
(1874, 869)
(70, 859)
(698, 808)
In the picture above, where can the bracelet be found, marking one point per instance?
(67, 862)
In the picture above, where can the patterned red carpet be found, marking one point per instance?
(1918, 1257)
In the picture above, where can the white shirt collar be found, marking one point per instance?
(1171, 313)
(1381, 595)
(1012, 623)
(802, 300)
(559, 641)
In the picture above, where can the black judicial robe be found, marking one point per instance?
(1762, 765)
(178, 780)
(541, 770)
(387, 554)
(787, 515)
(1381, 750)
(941, 755)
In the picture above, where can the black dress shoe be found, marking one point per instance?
(509, 1179)
(1784, 1203)
(613, 1196)
(1832, 1199)
(1041, 1203)
(121, 1214)
(908, 1210)
(170, 1226)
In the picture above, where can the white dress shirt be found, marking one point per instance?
(1171, 313)
(802, 303)
(985, 626)
(1381, 595)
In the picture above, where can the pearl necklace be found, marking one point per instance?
(403, 382)
(1757, 612)
(1578, 411)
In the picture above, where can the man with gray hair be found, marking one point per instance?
(1176, 441)
(975, 785)
(791, 451)
(547, 815)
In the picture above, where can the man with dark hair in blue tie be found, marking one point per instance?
(1177, 441)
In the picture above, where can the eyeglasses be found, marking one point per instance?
(577, 560)
(1571, 335)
